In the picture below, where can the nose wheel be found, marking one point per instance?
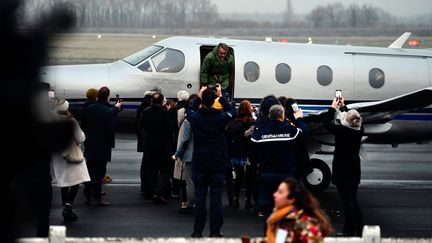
(319, 179)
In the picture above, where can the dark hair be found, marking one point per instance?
(267, 102)
(306, 201)
(282, 99)
(289, 112)
(208, 97)
(223, 46)
(157, 99)
(192, 98)
(103, 93)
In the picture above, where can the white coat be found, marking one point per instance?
(69, 174)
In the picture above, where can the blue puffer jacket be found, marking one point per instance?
(210, 151)
(274, 148)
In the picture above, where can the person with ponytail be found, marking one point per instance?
(297, 216)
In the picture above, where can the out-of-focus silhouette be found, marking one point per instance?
(29, 135)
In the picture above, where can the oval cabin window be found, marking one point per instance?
(251, 71)
(324, 75)
(376, 78)
(283, 73)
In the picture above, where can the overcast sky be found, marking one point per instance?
(396, 7)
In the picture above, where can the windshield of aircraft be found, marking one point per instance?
(138, 57)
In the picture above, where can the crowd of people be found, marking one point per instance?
(203, 144)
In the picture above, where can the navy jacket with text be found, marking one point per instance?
(274, 147)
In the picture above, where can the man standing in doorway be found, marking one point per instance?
(217, 67)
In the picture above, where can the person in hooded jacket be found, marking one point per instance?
(346, 162)
(69, 175)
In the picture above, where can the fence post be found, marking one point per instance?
(57, 234)
(371, 234)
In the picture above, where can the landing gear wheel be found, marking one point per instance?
(319, 179)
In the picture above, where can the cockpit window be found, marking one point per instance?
(138, 57)
(145, 67)
(169, 61)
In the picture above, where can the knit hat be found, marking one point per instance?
(266, 103)
(91, 93)
(182, 95)
(62, 106)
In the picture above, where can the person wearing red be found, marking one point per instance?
(297, 216)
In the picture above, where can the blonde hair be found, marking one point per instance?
(353, 118)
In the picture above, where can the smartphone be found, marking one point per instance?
(117, 98)
(51, 94)
(295, 107)
(338, 94)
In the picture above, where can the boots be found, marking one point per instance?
(68, 214)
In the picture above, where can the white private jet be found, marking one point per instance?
(390, 87)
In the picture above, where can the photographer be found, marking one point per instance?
(210, 157)
(346, 162)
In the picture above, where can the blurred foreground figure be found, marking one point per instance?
(30, 136)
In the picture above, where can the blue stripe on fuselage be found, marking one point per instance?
(308, 107)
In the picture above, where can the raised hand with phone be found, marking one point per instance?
(338, 100)
(118, 102)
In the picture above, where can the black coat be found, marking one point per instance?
(346, 160)
(156, 132)
(238, 144)
(98, 123)
(210, 151)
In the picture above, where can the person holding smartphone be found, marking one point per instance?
(304, 166)
(346, 162)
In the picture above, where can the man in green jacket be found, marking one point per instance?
(216, 68)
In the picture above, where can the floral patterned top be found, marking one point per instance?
(301, 227)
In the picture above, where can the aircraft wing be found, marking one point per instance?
(384, 110)
(376, 116)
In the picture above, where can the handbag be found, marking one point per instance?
(178, 169)
(73, 154)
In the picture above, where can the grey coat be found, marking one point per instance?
(185, 142)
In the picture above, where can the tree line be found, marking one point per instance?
(185, 14)
(132, 13)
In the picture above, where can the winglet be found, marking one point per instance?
(400, 41)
